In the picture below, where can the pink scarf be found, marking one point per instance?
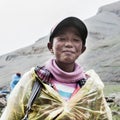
(62, 76)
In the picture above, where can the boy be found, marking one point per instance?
(67, 92)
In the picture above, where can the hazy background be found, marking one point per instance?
(22, 22)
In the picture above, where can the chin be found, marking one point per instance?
(68, 61)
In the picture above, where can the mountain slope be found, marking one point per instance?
(102, 52)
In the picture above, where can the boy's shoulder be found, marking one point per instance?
(94, 77)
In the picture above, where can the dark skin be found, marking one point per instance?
(67, 46)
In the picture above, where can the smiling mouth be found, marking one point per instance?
(68, 52)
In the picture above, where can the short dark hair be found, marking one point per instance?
(18, 74)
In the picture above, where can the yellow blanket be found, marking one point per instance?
(87, 104)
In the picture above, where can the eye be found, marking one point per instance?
(77, 39)
(61, 38)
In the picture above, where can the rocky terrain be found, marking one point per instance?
(104, 42)
(102, 54)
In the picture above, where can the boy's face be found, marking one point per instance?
(67, 45)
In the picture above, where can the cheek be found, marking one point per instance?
(56, 48)
(79, 48)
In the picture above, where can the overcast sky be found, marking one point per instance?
(22, 22)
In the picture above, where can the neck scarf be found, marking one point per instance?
(62, 76)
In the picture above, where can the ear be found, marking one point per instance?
(83, 49)
(49, 45)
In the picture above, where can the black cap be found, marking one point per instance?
(70, 21)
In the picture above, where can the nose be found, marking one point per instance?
(68, 43)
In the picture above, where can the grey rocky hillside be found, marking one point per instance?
(102, 54)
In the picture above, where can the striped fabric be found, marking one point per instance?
(64, 89)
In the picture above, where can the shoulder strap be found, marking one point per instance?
(37, 87)
(81, 82)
